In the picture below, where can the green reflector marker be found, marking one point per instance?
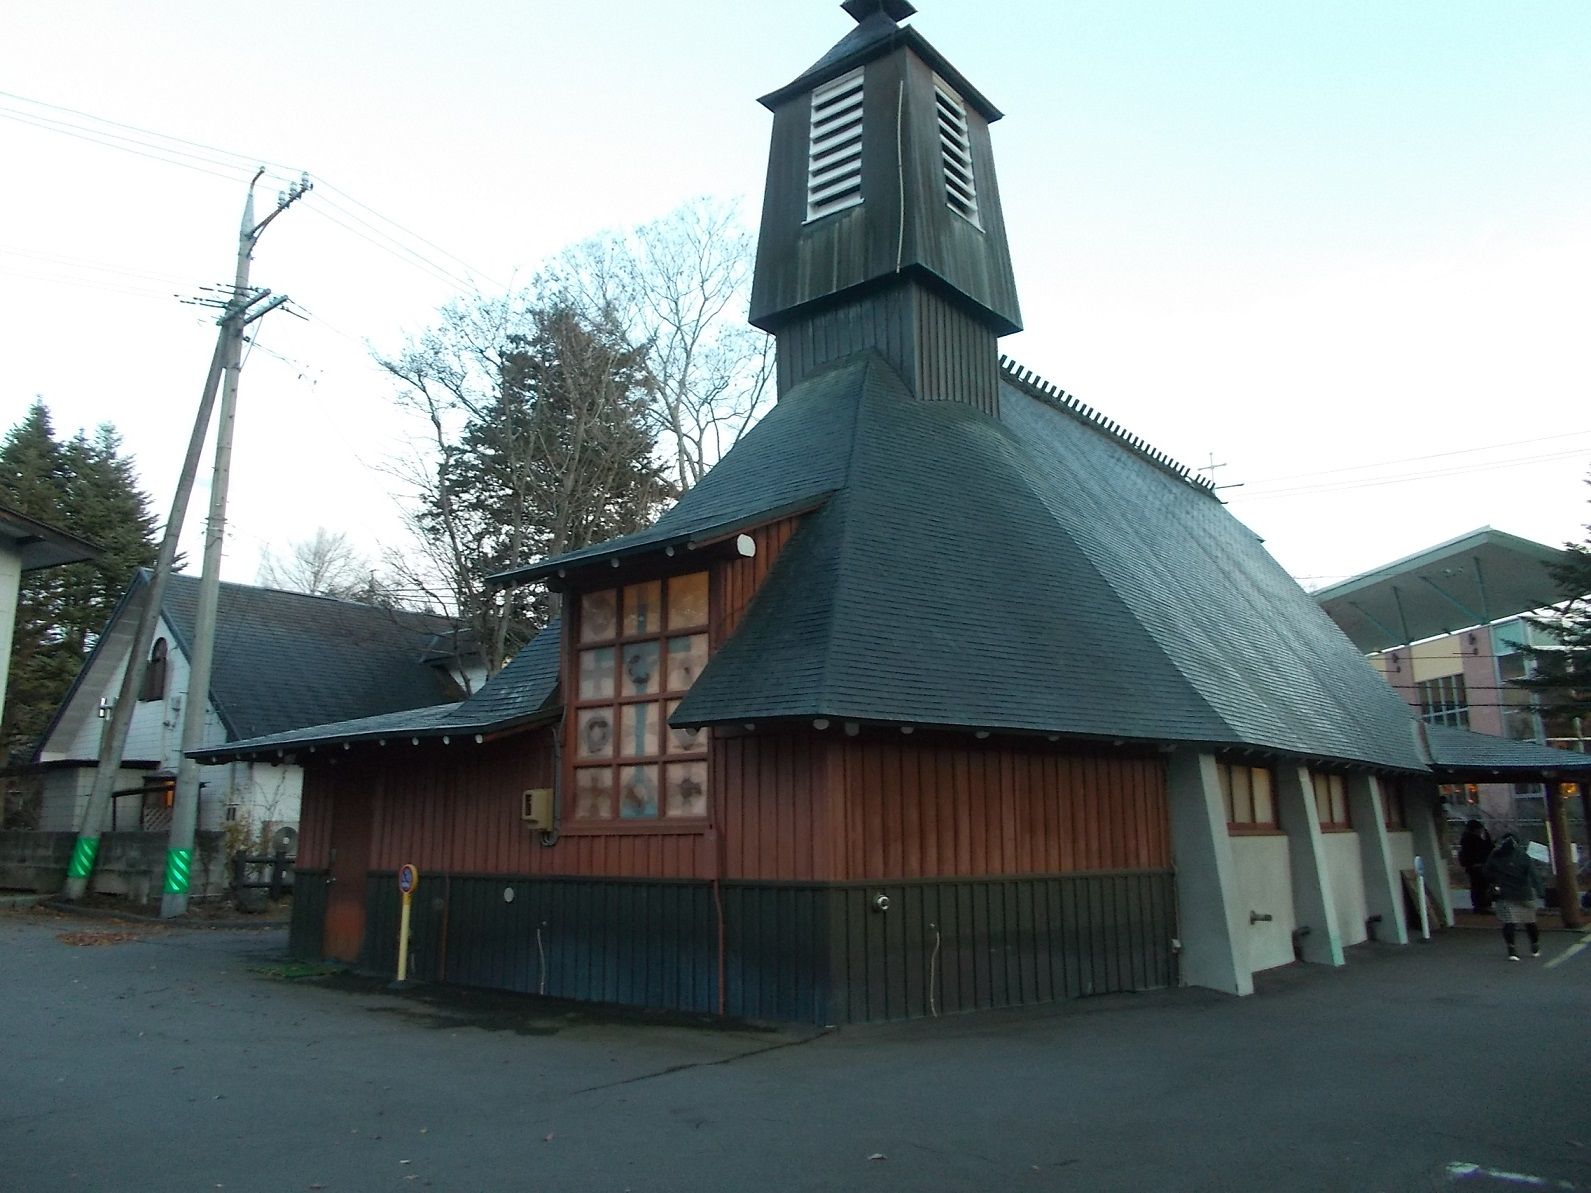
(178, 862)
(83, 857)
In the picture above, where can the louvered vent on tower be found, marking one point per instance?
(955, 152)
(834, 150)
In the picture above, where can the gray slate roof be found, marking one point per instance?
(524, 692)
(1456, 750)
(283, 659)
(1029, 573)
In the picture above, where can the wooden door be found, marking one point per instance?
(348, 865)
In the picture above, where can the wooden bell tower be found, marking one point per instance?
(881, 221)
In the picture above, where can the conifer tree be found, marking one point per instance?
(544, 444)
(87, 487)
(1562, 670)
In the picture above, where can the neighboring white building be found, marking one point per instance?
(282, 660)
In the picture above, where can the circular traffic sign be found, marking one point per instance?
(408, 878)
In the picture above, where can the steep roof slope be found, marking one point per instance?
(795, 456)
(1029, 573)
(283, 659)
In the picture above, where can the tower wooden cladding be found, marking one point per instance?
(881, 223)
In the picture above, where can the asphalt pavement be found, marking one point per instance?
(137, 1057)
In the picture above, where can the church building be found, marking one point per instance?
(940, 691)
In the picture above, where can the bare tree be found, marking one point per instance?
(681, 286)
(538, 442)
(324, 565)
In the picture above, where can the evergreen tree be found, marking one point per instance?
(545, 444)
(1562, 678)
(87, 487)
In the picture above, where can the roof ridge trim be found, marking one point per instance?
(1053, 395)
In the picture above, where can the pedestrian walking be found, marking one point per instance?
(1474, 847)
(1519, 885)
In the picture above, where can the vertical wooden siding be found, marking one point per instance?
(738, 580)
(314, 820)
(456, 809)
(773, 810)
(918, 809)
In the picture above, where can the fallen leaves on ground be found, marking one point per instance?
(93, 938)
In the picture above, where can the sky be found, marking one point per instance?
(1338, 249)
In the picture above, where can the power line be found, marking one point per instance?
(407, 232)
(107, 286)
(246, 161)
(394, 249)
(1464, 451)
(1410, 478)
(224, 163)
(95, 266)
(170, 157)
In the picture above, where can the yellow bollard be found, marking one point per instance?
(408, 881)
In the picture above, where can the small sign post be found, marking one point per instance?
(1419, 889)
(408, 880)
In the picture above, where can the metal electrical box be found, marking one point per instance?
(537, 811)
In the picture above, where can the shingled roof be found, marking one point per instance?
(1040, 571)
(522, 693)
(284, 659)
(1463, 754)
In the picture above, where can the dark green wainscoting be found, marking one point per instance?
(305, 934)
(802, 952)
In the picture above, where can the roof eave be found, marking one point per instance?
(723, 537)
(869, 52)
(240, 752)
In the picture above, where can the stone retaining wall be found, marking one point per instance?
(130, 864)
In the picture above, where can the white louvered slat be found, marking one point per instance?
(955, 153)
(834, 147)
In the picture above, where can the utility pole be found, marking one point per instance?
(114, 740)
(185, 802)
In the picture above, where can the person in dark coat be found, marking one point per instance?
(1474, 847)
(1519, 885)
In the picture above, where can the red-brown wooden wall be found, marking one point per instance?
(959, 807)
(793, 804)
(801, 806)
(738, 580)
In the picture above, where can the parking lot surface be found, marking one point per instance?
(150, 1058)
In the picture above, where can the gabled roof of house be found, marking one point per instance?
(284, 659)
(523, 693)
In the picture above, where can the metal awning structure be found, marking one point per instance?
(1472, 580)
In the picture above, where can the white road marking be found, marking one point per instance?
(1579, 947)
(1458, 1170)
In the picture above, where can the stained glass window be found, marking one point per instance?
(641, 648)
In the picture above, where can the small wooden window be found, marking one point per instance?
(639, 649)
(1392, 808)
(955, 153)
(834, 147)
(1250, 795)
(154, 687)
(1331, 801)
